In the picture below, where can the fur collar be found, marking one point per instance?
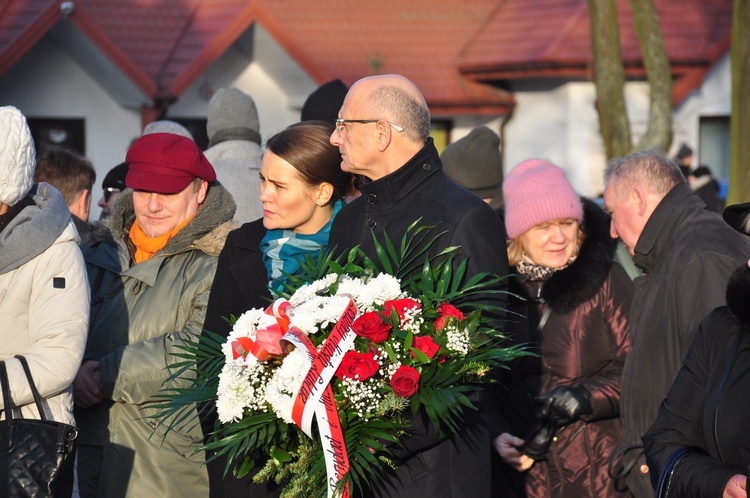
(206, 232)
(738, 290)
(569, 288)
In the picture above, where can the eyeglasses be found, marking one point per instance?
(341, 122)
(109, 191)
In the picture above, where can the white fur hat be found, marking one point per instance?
(17, 156)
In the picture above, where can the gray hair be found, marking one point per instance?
(648, 168)
(404, 110)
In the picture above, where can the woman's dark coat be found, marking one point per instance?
(583, 344)
(239, 285)
(706, 411)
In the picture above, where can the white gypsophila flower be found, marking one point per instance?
(377, 291)
(307, 291)
(285, 382)
(389, 369)
(412, 320)
(458, 340)
(318, 312)
(240, 387)
(364, 396)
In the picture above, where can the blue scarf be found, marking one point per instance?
(284, 249)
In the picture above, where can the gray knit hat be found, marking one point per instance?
(474, 162)
(232, 115)
(167, 126)
(17, 156)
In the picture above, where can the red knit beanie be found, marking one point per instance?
(536, 191)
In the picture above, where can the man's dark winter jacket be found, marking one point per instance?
(458, 466)
(706, 411)
(687, 254)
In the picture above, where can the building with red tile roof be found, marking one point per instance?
(521, 67)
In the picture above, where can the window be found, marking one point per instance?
(714, 137)
(58, 133)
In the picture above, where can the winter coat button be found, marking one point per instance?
(644, 469)
(371, 224)
(426, 166)
(372, 199)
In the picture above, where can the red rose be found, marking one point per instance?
(359, 366)
(447, 311)
(401, 306)
(371, 326)
(405, 382)
(427, 345)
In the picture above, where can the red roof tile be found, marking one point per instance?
(164, 45)
(548, 38)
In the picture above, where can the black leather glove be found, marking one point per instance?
(564, 405)
(539, 439)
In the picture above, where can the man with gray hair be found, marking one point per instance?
(383, 133)
(687, 254)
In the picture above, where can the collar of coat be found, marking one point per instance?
(399, 184)
(207, 231)
(665, 223)
(738, 291)
(569, 288)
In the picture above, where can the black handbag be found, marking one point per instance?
(37, 457)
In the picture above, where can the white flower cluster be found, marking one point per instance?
(285, 382)
(309, 291)
(368, 294)
(390, 369)
(318, 312)
(240, 387)
(458, 340)
(363, 396)
(245, 326)
(412, 320)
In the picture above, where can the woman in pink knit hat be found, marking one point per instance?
(558, 411)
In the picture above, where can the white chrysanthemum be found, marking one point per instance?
(378, 290)
(458, 340)
(240, 388)
(285, 382)
(245, 326)
(310, 290)
(318, 312)
(350, 286)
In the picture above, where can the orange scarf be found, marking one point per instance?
(145, 246)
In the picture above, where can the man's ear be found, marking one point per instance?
(641, 199)
(202, 191)
(385, 135)
(82, 205)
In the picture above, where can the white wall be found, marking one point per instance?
(558, 121)
(276, 110)
(714, 98)
(48, 83)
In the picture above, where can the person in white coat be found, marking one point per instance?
(44, 291)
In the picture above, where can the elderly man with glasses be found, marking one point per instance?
(383, 134)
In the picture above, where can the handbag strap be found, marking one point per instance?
(7, 400)
(34, 390)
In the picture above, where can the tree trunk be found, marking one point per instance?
(646, 26)
(739, 158)
(609, 78)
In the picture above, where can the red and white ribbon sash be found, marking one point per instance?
(315, 398)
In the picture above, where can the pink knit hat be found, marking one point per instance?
(536, 191)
